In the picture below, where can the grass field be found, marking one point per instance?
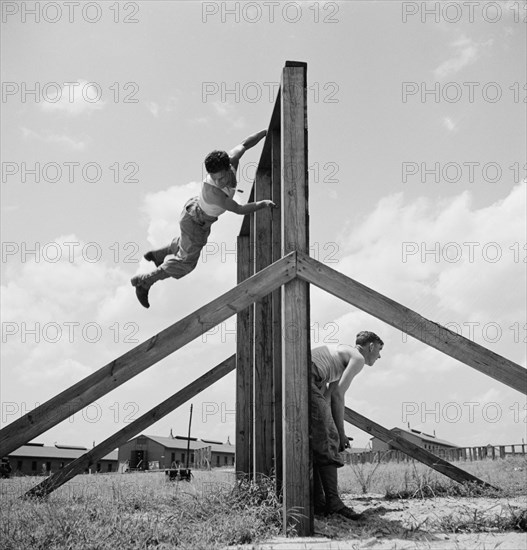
(144, 510)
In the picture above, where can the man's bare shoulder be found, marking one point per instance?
(348, 353)
(356, 357)
(212, 190)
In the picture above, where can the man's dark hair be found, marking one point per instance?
(365, 337)
(217, 161)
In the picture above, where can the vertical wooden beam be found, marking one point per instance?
(276, 183)
(244, 365)
(296, 353)
(263, 337)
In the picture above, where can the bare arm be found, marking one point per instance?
(217, 197)
(337, 411)
(242, 209)
(236, 154)
(338, 391)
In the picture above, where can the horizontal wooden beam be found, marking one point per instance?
(80, 464)
(145, 355)
(420, 454)
(408, 321)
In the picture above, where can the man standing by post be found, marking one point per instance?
(333, 369)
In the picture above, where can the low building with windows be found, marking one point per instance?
(38, 459)
(426, 441)
(152, 452)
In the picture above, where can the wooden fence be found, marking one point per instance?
(470, 454)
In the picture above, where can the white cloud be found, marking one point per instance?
(221, 108)
(172, 104)
(163, 210)
(53, 332)
(74, 98)
(200, 121)
(153, 107)
(63, 139)
(228, 112)
(465, 52)
(449, 124)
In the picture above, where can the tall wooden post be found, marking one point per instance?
(263, 337)
(244, 364)
(296, 353)
(276, 184)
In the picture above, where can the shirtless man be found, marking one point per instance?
(216, 196)
(333, 369)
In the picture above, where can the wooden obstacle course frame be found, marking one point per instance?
(80, 464)
(144, 356)
(271, 301)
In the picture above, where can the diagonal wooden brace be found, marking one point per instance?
(411, 449)
(78, 466)
(145, 355)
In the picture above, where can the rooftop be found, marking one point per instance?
(425, 437)
(180, 442)
(57, 452)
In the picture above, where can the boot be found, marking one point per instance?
(158, 256)
(328, 476)
(143, 283)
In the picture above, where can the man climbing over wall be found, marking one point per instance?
(333, 368)
(216, 196)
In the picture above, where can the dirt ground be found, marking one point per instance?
(441, 523)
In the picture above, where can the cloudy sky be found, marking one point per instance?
(417, 144)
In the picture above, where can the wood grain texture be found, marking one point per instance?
(276, 183)
(296, 353)
(263, 446)
(244, 365)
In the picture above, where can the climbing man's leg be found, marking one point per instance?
(143, 283)
(158, 256)
(195, 230)
(184, 251)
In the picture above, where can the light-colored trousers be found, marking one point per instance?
(185, 250)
